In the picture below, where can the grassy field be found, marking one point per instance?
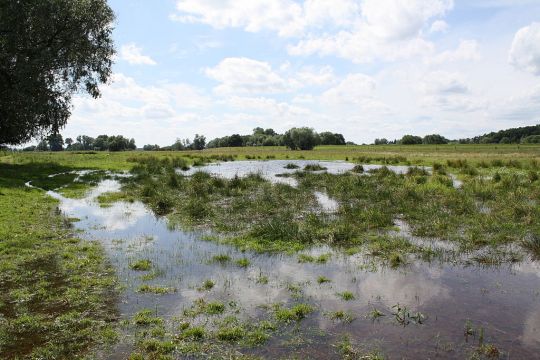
(57, 291)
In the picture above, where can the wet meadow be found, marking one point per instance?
(345, 253)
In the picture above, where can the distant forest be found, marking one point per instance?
(295, 138)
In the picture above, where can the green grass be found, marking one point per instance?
(57, 293)
(295, 313)
(346, 295)
(141, 265)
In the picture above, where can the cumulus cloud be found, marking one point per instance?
(438, 26)
(133, 55)
(447, 91)
(384, 29)
(525, 50)
(468, 50)
(246, 76)
(360, 31)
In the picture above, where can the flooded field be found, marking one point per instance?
(353, 305)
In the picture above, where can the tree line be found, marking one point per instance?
(56, 142)
(520, 135)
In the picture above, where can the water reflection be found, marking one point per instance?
(504, 301)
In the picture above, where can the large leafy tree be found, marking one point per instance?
(49, 50)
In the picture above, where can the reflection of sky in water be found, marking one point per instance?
(504, 301)
(269, 169)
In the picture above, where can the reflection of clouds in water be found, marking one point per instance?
(407, 289)
(528, 267)
(119, 216)
(531, 331)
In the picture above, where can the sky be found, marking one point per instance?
(364, 68)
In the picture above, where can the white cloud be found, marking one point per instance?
(438, 26)
(133, 55)
(316, 76)
(521, 107)
(384, 29)
(398, 20)
(441, 82)
(250, 15)
(246, 76)
(446, 91)
(466, 51)
(525, 51)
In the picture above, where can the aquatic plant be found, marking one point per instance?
(346, 295)
(296, 313)
(141, 265)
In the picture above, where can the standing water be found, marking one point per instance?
(450, 310)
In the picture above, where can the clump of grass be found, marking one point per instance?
(341, 315)
(221, 258)
(346, 295)
(206, 285)
(159, 290)
(532, 243)
(375, 314)
(321, 259)
(243, 262)
(291, 166)
(314, 167)
(146, 317)
(141, 265)
(323, 279)
(214, 308)
(196, 333)
(231, 333)
(359, 169)
(262, 279)
(296, 313)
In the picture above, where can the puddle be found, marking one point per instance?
(326, 203)
(504, 301)
(272, 169)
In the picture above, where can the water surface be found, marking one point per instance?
(504, 301)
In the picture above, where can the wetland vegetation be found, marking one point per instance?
(254, 265)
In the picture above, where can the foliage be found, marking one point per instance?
(49, 50)
(301, 139)
(410, 140)
(434, 139)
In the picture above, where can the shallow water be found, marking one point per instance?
(271, 169)
(504, 301)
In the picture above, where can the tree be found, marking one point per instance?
(328, 138)
(199, 142)
(532, 139)
(301, 139)
(56, 142)
(410, 140)
(382, 141)
(50, 49)
(68, 142)
(434, 139)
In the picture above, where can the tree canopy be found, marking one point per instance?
(301, 139)
(50, 49)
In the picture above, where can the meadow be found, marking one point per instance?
(471, 210)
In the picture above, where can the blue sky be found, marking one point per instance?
(364, 68)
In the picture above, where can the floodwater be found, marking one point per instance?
(504, 301)
(272, 169)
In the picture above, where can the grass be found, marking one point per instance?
(141, 265)
(153, 289)
(243, 262)
(323, 279)
(206, 285)
(295, 313)
(346, 295)
(57, 292)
